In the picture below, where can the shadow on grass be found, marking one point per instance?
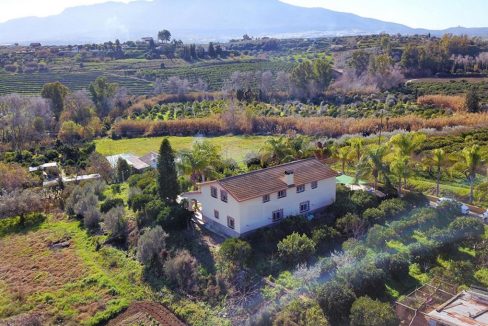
(397, 288)
(196, 243)
(12, 225)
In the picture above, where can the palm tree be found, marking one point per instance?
(438, 160)
(375, 165)
(406, 143)
(200, 162)
(470, 164)
(343, 154)
(401, 170)
(357, 145)
(276, 151)
(300, 146)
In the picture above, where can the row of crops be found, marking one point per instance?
(214, 74)
(31, 84)
(175, 111)
(450, 87)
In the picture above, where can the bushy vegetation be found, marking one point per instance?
(132, 240)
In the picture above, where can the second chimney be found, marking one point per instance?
(289, 178)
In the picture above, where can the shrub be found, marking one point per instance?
(301, 312)
(444, 240)
(182, 270)
(178, 218)
(138, 202)
(91, 219)
(324, 238)
(422, 253)
(366, 279)
(351, 225)
(374, 215)
(379, 235)
(416, 199)
(296, 248)
(363, 200)
(336, 300)
(236, 251)
(151, 247)
(111, 203)
(398, 266)
(393, 208)
(467, 228)
(115, 223)
(367, 312)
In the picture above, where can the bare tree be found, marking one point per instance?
(266, 82)
(283, 82)
(177, 85)
(20, 203)
(24, 119)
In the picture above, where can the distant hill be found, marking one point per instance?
(195, 20)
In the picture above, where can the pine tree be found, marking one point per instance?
(472, 102)
(123, 170)
(211, 51)
(168, 187)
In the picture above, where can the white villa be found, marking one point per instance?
(241, 204)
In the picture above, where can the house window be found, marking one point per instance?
(277, 215)
(266, 198)
(300, 189)
(315, 185)
(223, 196)
(304, 207)
(231, 222)
(213, 192)
(282, 194)
(216, 214)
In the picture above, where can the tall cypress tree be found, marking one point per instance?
(168, 186)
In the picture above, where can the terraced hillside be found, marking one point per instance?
(136, 75)
(32, 83)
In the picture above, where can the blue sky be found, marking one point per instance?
(433, 14)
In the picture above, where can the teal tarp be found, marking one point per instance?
(347, 180)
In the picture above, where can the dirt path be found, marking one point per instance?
(144, 312)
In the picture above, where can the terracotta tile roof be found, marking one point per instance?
(267, 181)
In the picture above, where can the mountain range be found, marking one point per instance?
(198, 21)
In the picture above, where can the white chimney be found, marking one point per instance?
(289, 178)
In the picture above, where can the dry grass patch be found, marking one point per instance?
(453, 102)
(70, 286)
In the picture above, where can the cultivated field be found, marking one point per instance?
(136, 75)
(66, 285)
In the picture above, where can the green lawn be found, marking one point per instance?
(235, 147)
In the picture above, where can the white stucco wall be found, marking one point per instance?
(256, 214)
(253, 214)
(209, 204)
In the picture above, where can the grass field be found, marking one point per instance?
(74, 285)
(78, 284)
(235, 147)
